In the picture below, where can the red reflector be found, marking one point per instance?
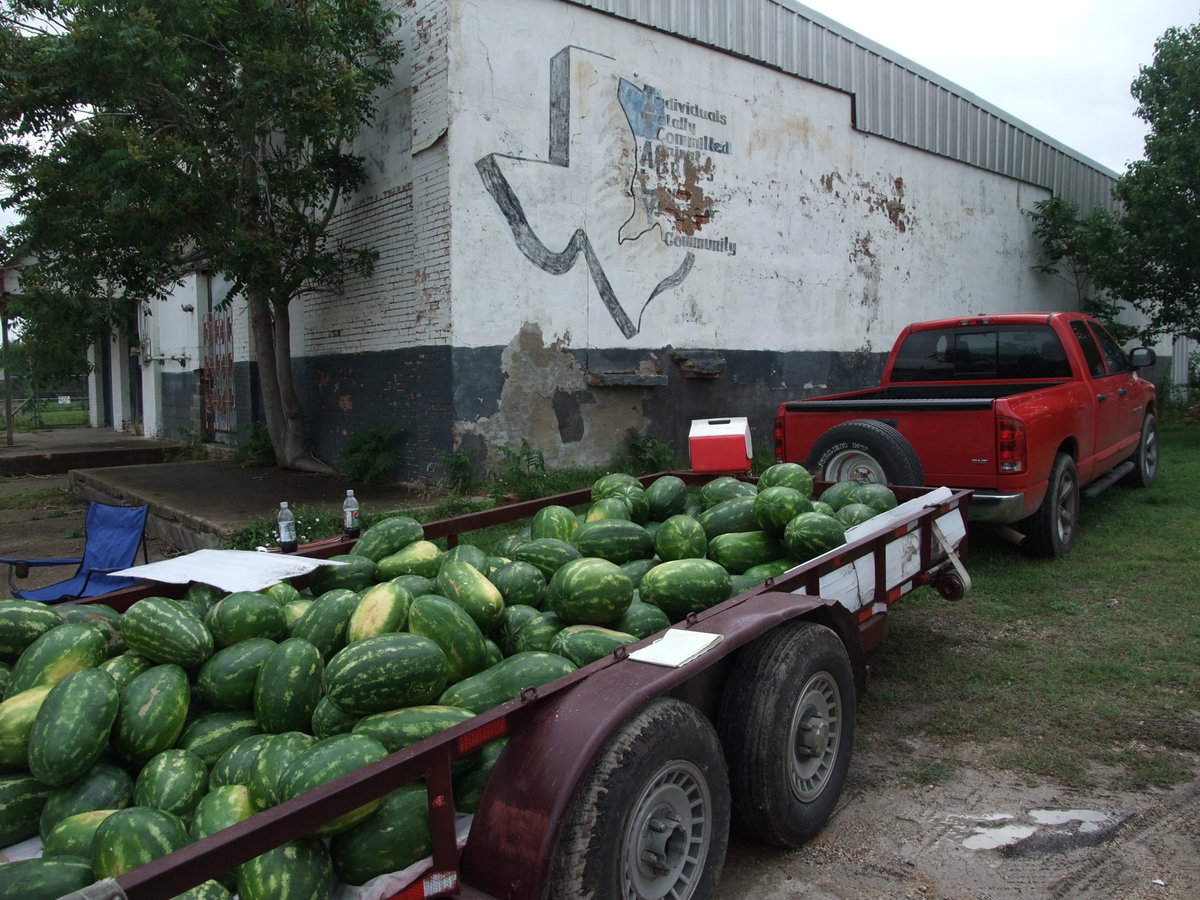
(484, 734)
(434, 884)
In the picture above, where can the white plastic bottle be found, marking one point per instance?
(350, 516)
(287, 529)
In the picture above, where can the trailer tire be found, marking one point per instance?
(787, 726)
(1051, 531)
(651, 818)
(865, 450)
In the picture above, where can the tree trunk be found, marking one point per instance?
(281, 406)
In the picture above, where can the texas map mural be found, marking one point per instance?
(678, 181)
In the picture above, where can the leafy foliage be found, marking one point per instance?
(369, 456)
(148, 139)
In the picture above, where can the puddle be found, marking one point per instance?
(1037, 830)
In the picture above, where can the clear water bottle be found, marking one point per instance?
(350, 516)
(287, 528)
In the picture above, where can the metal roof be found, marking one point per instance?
(891, 96)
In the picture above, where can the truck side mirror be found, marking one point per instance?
(1142, 357)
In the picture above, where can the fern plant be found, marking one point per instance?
(368, 456)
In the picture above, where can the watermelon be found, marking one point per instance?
(667, 496)
(469, 785)
(512, 620)
(811, 534)
(22, 798)
(16, 721)
(297, 870)
(133, 837)
(213, 733)
(103, 786)
(468, 553)
(879, 497)
(125, 667)
(21, 623)
(233, 766)
(606, 485)
(282, 592)
(606, 508)
(505, 680)
(265, 776)
(467, 586)
(327, 621)
(326, 760)
(840, 493)
(72, 726)
(166, 631)
(450, 627)
(824, 508)
(74, 836)
(422, 558)
(636, 568)
(553, 521)
(583, 644)
(288, 686)
(226, 679)
(734, 514)
(634, 496)
(538, 631)
(683, 586)
(381, 608)
(152, 713)
(547, 554)
(105, 618)
(400, 728)
(722, 488)
(246, 614)
(855, 514)
(222, 806)
(589, 590)
(355, 573)
(173, 781)
(55, 654)
(642, 619)
(789, 475)
(45, 878)
(775, 506)
(328, 719)
(392, 838)
(616, 540)
(737, 551)
(385, 672)
(680, 537)
(417, 585)
(387, 537)
(520, 584)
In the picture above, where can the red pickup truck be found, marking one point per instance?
(1025, 409)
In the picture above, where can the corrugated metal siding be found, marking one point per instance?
(892, 96)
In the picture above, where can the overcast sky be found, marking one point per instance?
(1061, 66)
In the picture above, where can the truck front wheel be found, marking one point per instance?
(787, 725)
(651, 819)
(1145, 458)
(868, 451)
(1051, 531)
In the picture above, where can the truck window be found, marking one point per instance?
(1114, 356)
(1016, 351)
(1091, 353)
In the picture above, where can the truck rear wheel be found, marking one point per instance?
(865, 450)
(651, 819)
(1051, 531)
(787, 725)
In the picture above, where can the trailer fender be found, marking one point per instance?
(516, 827)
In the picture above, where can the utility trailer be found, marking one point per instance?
(623, 778)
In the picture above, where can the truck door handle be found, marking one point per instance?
(1122, 392)
(1102, 397)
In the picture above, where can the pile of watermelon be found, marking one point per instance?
(126, 736)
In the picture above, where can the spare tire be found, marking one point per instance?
(865, 450)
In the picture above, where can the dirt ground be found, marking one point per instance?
(984, 835)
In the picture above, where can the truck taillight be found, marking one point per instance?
(1010, 446)
(779, 439)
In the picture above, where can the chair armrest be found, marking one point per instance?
(21, 567)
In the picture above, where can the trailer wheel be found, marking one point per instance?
(1145, 459)
(787, 725)
(868, 451)
(651, 819)
(1051, 531)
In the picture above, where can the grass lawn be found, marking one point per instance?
(1078, 668)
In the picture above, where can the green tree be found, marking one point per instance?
(149, 139)
(1155, 262)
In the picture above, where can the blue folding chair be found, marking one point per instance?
(112, 535)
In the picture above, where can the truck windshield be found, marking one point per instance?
(993, 352)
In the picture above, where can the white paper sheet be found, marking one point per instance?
(676, 647)
(229, 570)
